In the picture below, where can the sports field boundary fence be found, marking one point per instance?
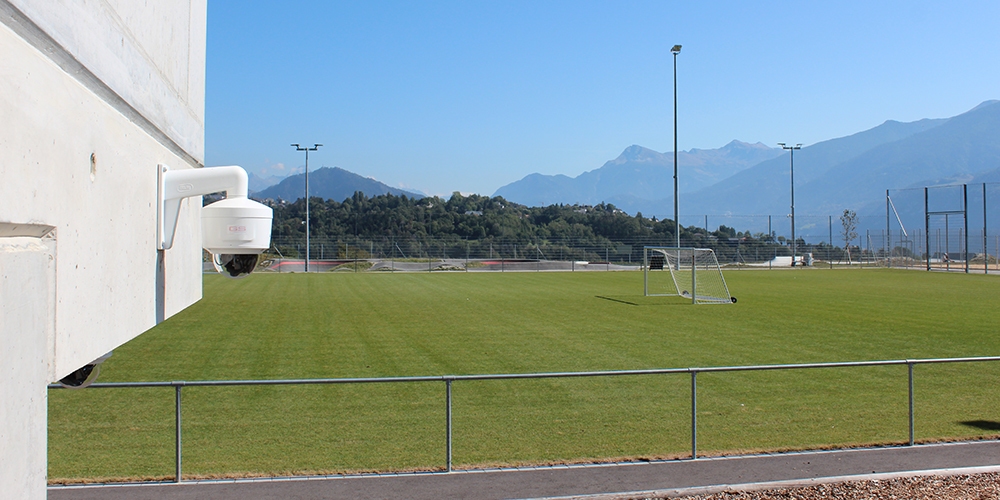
(874, 248)
(449, 380)
(818, 235)
(938, 228)
(943, 227)
(358, 254)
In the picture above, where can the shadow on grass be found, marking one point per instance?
(986, 425)
(642, 300)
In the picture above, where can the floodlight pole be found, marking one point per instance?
(677, 223)
(307, 150)
(791, 151)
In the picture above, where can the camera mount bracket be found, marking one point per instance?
(175, 185)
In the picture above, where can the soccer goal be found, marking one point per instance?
(692, 273)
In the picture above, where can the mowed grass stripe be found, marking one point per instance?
(389, 325)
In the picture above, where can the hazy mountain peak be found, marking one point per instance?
(636, 153)
(740, 147)
(638, 173)
(736, 144)
(330, 183)
(984, 104)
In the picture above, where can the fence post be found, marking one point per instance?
(865, 248)
(986, 248)
(910, 366)
(829, 249)
(694, 283)
(694, 416)
(177, 429)
(927, 230)
(447, 383)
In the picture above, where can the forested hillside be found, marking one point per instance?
(479, 220)
(467, 217)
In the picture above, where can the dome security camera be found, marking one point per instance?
(235, 230)
(85, 375)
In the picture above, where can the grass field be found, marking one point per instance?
(273, 326)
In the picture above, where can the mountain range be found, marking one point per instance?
(638, 173)
(329, 183)
(849, 172)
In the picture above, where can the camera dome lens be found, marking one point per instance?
(235, 265)
(81, 378)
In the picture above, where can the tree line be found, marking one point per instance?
(461, 221)
(472, 217)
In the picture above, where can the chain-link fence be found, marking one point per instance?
(944, 227)
(945, 241)
(387, 253)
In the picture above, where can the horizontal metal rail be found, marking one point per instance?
(449, 379)
(505, 376)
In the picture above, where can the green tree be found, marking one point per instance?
(849, 221)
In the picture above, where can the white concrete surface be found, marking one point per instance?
(151, 54)
(27, 328)
(70, 160)
(94, 94)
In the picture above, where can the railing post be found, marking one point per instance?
(694, 416)
(910, 367)
(448, 422)
(177, 430)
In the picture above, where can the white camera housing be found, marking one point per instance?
(235, 230)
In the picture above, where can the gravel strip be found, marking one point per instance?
(961, 487)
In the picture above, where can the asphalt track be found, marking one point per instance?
(665, 479)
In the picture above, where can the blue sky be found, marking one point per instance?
(470, 96)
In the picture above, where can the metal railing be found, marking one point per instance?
(449, 379)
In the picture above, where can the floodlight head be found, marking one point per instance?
(676, 50)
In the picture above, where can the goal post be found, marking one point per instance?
(692, 273)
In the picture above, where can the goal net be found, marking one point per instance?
(692, 273)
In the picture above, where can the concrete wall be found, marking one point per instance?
(93, 95)
(151, 54)
(27, 326)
